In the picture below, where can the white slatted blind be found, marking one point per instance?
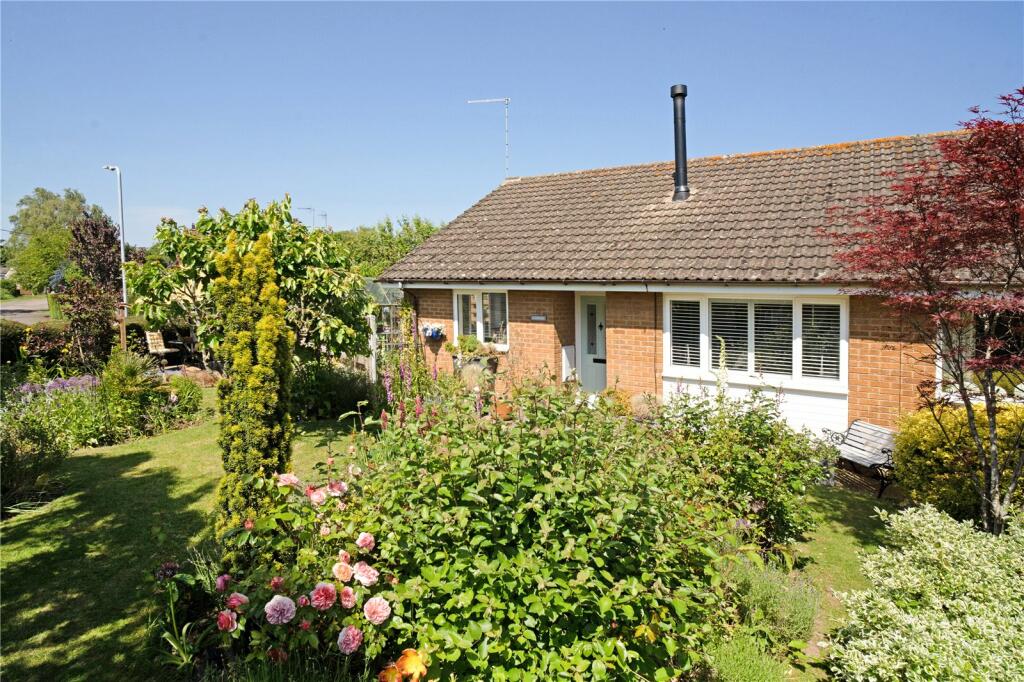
(729, 325)
(821, 334)
(773, 338)
(686, 333)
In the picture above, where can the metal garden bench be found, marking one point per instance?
(868, 447)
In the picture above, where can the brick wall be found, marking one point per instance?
(633, 341)
(533, 346)
(885, 363)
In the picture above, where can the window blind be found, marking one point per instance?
(773, 338)
(495, 312)
(820, 323)
(686, 333)
(729, 328)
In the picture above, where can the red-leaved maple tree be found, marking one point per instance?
(945, 246)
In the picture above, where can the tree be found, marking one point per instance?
(40, 236)
(377, 247)
(90, 297)
(326, 301)
(256, 352)
(946, 247)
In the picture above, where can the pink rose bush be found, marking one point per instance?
(350, 639)
(227, 621)
(236, 601)
(323, 596)
(366, 542)
(377, 610)
(279, 610)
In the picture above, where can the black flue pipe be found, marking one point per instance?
(682, 191)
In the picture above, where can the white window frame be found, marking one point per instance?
(478, 295)
(707, 373)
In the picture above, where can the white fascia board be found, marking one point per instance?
(741, 288)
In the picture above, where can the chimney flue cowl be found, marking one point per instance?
(682, 190)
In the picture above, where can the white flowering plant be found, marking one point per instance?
(946, 602)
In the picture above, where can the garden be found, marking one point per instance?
(425, 526)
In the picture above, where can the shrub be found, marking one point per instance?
(324, 390)
(945, 602)
(12, 338)
(89, 309)
(8, 289)
(763, 463)
(774, 604)
(936, 470)
(129, 387)
(742, 659)
(47, 343)
(30, 450)
(186, 397)
(256, 351)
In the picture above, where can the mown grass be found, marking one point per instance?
(74, 574)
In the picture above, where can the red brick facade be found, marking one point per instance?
(633, 342)
(885, 363)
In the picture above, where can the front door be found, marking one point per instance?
(593, 367)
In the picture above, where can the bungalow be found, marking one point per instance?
(651, 277)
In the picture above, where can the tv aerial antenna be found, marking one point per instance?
(498, 100)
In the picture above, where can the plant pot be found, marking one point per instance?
(489, 363)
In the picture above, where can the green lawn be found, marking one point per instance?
(75, 588)
(74, 573)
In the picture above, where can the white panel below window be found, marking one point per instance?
(800, 408)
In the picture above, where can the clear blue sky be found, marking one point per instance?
(359, 110)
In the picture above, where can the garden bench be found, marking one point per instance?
(869, 447)
(156, 346)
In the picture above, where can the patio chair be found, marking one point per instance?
(156, 347)
(867, 447)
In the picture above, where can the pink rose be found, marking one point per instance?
(303, 600)
(344, 557)
(376, 610)
(305, 624)
(350, 639)
(248, 524)
(325, 530)
(276, 583)
(348, 597)
(323, 595)
(236, 600)
(330, 461)
(366, 542)
(222, 582)
(279, 610)
(227, 621)
(318, 496)
(342, 571)
(365, 574)
(337, 488)
(287, 479)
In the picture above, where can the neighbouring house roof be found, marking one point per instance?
(750, 218)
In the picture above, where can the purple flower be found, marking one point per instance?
(434, 371)
(403, 370)
(387, 386)
(419, 407)
(279, 610)
(167, 570)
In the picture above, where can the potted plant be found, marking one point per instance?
(470, 351)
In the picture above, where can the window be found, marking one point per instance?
(729, 335)
(495, 309)
(821, 340)
(685, 333)
(773, 338)
(483, 314)
(798, 339)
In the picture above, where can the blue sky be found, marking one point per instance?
(359, 110)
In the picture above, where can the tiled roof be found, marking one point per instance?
(750, 218)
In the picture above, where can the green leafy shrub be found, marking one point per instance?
(936, 468)
(743, 659)
(776, 605)
(8, 289)
(324, 390)
(946, 602)
(763, 463)
(256, 429)
(30, 450)
(12, 338)
(129, 385)
(186, 397)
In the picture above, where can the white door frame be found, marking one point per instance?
(578, 315)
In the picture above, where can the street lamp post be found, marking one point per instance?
(124, 280)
